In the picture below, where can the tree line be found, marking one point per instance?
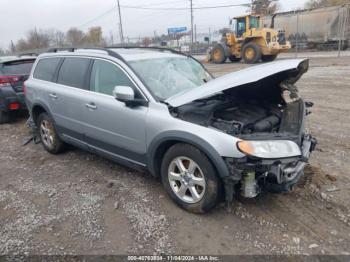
(42, 39)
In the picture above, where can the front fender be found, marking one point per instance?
(185, 137)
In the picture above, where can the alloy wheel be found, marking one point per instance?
(186, 179)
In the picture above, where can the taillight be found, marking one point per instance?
(6, 80)
(13, 106)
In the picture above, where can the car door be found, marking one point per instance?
(110, 125)
(67, 97)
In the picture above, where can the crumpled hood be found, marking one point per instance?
(242, 77)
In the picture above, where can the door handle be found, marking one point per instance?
(53, 96)
(91, 106)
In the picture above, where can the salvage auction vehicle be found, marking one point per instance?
(161, 110)
(14, 70)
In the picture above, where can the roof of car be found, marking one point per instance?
(132, 54)
(5, 59)
(126, 53)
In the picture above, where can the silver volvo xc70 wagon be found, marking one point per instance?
(162, 111)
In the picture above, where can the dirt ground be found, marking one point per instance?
(79, 203)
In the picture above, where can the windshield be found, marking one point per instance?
(169, 76)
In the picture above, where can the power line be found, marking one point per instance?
(98, 17)
(164, 3)
(183, 8)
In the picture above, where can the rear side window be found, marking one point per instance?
(73, 72)
(17, 67)
(46, 68)
(105, 76)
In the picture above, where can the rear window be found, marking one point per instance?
(46, 68)
(17, 67)
(73, 72)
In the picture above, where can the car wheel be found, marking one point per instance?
(48, 135)
(251, 53)
(218, 55)
(268, 58)
(4, 117)
(190, 179)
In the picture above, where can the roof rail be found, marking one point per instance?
(57, 49)
(73, 49)
(151, 47)
(28, 54)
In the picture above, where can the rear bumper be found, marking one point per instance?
(8, 96)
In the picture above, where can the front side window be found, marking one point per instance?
(46, 68)
(105, 76)
(254, 22)
(169, 76)
(73, 72)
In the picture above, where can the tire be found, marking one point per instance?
(217, 55)
(200, 194)
(251, 53)
(48, 135)
(4, 117)
(268, 58)
(233, 58)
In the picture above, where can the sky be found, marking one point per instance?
(20, 16)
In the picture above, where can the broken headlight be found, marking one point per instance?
(269, 148)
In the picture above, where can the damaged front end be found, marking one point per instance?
(267, 115)
(252, 175)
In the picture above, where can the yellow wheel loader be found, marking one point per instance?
(250, 42)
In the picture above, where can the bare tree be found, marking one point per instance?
(264, 7)
(21, 45)
(57, 38)
(75, 37)
(94, 37)
(37, 39)
(2, 51)
(324, 3)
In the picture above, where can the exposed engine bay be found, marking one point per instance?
(244, 111)
(232, 116)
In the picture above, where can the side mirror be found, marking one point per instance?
(124, 93)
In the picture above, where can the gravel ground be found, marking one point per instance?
(78, 203)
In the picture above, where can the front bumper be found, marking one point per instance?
(276, 48)
(274, 175)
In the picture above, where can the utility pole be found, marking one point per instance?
(191, 25)
(195, 33)
(209, 35)
(120, 24)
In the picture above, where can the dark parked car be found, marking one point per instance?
(14, 70)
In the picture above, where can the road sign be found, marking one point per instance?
(175, 30)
